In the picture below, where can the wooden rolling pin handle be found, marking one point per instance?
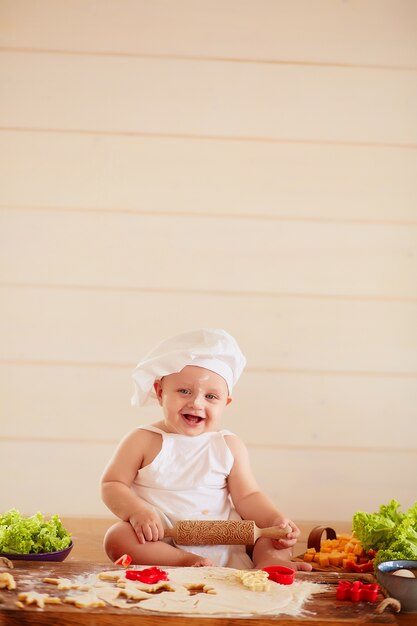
(170, 532)
(273, 532)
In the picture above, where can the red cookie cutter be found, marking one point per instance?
(125, 560)
(357, 591)
(280, 574)
(150, 575)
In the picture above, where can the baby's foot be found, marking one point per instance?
(295, 565)
(203, 563)
(298, 566)
(195, 560)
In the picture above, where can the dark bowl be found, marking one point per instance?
(59, 555)
(402, 589)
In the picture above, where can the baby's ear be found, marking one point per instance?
(229, 399)
(157, 386)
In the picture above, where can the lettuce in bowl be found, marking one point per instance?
(31, 535)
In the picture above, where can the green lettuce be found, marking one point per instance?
(392, 533)
(31, 535)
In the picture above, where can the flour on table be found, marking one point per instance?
(195, 590)
(88, 599)
(66, 584)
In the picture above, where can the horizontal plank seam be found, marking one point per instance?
(260, 446)
(212, 215)
(229, 293)
(206, 58)
(202, 137)
(251, 369)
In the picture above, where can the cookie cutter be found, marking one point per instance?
(149, 575)
(280, 574)
(357, 591)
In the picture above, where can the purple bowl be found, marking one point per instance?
(59, 555)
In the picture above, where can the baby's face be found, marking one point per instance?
(193, 400)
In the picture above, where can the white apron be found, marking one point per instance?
(188, 480)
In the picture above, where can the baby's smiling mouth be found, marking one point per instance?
(192, 419)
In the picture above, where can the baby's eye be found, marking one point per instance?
(184, 391)
(211, 396)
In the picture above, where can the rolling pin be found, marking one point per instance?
(221, 532)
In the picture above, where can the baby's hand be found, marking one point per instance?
(290, 539)
(147, 526)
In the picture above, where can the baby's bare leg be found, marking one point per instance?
(265, 554)
(121, 539)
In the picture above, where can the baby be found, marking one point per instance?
(185, 467)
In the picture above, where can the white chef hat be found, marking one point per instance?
(211, 348)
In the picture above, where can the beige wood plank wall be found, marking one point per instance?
(247, 164)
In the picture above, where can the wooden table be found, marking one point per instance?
(88, 557)
(29, 576)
